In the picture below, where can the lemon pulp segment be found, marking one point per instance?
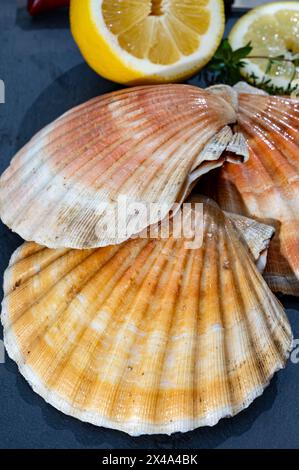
(273, 31)
(157, 30)
(162, 40)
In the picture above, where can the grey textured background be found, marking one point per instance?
(44, 76)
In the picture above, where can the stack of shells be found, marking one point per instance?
(141, 333)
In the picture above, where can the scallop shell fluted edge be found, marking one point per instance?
(133, 429)
(147, 337)
(141, 143)
(266, 187)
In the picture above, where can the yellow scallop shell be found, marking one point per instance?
(148, 336)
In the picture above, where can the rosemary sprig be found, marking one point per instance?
(226, 66)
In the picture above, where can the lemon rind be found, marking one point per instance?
(111, 61)
(236, 37)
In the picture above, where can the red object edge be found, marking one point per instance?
(38, 6)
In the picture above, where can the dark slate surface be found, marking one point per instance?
(45, 75)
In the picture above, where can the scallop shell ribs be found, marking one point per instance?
(266, 187)
(149, 336)
(145, 144)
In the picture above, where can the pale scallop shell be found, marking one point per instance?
(148, 336)
(257, 236)
(267, 186)
(141, 145)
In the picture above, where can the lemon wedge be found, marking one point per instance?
(147, 41)
(273, 30)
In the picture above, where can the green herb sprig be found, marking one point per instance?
(226, 67)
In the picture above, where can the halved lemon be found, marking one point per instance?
(143, 41)
(273, 30)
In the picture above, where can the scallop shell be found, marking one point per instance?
(148, 336)
(140, 145)
(257, 237)
(267, 186)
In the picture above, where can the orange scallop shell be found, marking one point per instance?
(145, 144)
(266, 187)
(148, 336)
